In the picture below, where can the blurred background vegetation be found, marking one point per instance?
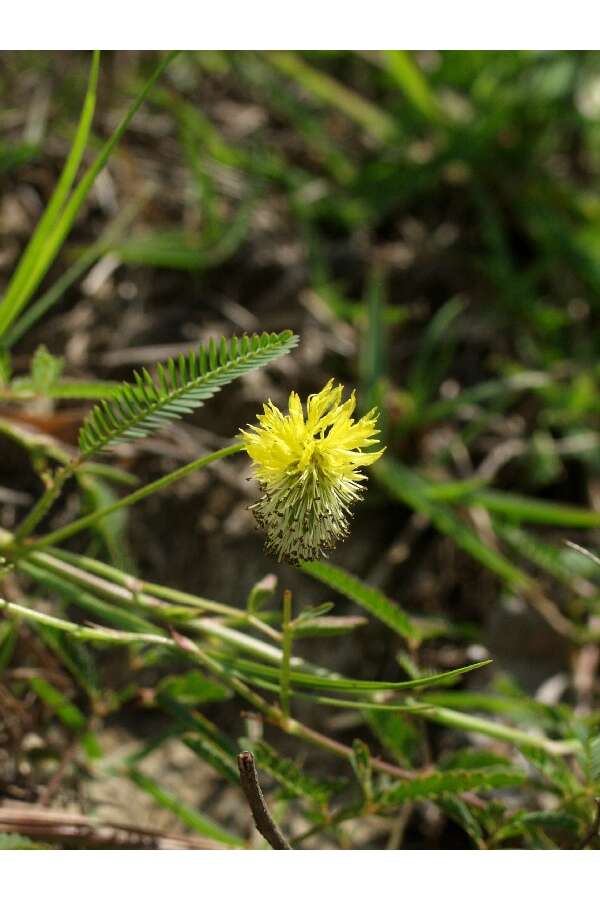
(429, 224)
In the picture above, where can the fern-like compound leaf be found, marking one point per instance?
(177, 388)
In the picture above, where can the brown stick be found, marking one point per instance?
(260, 812)
(41, 824)
(57, 779)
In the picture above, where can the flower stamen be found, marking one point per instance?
(307, 467)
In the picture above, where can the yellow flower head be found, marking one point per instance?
(308, 469)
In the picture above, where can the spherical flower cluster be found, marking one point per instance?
(308, 469)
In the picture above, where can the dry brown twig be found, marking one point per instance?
(260, 813)
(58, 827)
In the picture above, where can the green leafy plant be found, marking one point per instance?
(436, 724)
(181, 386)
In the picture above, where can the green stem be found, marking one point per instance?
(37, 445)
(270, 712)
(288, 636)
(81, 632)
(118, 586)
(137, 595)
(141, 589)
(466, 722)
(54, 537)
(46, 501)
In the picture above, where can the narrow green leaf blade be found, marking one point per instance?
(366, 596)
(190, 817)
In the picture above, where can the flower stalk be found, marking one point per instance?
(54, 537)
(288, 636)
